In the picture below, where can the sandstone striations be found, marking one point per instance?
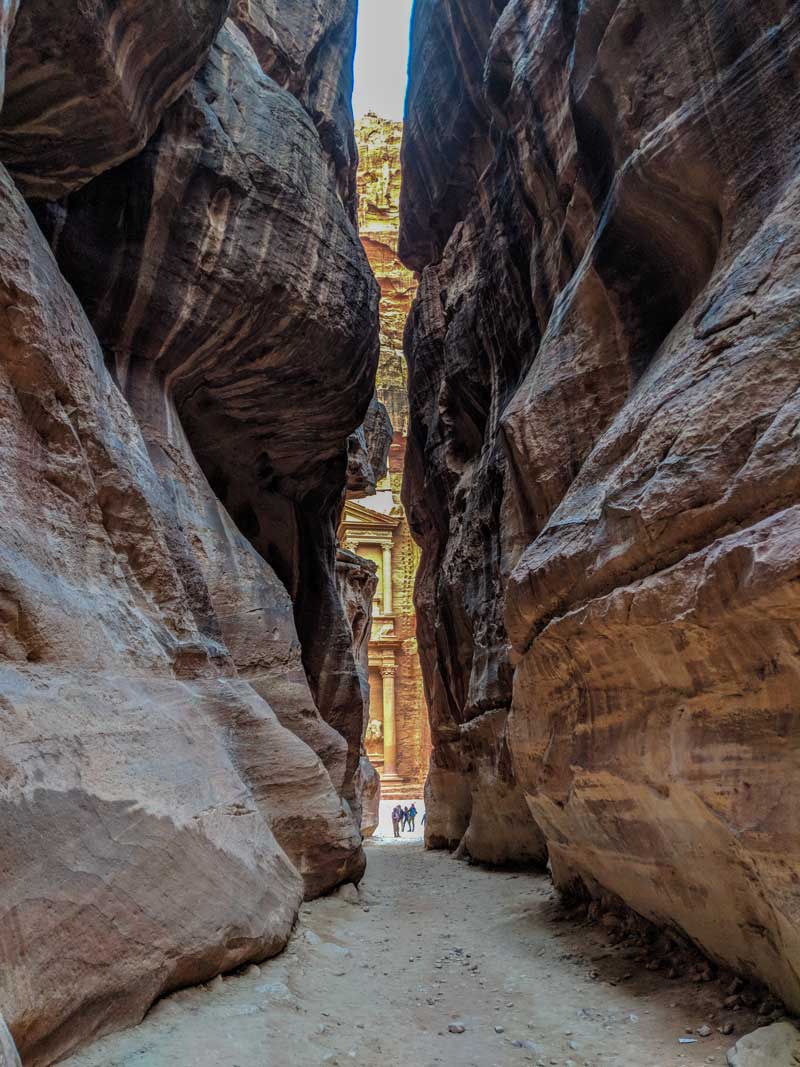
(8, 1051)
(358, 581)
(182, 710)
(604, 363)
(307, 47)
(231, 258)
(87, 85)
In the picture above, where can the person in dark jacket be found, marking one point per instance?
(412, 815)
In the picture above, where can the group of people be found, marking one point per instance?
(403, 818)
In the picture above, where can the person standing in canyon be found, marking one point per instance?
(412, 815)
(396, 812)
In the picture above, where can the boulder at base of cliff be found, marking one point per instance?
(771, 1046)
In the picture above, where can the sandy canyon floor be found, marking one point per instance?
(378, 977)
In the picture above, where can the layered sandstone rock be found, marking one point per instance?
(368, 451)
(218, 259)
(307, 47)
(604, 363)
(379, 191)
(87, 85)
(468, 333)
(358, 580)
(8, 1051)
(172, 639)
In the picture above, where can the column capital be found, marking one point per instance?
(388, 670)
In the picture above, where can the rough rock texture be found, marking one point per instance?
(368, 451)
(604, 360)
(771, 1046)
(370, 792)
(173, 457)
(466, 337)
(220, 257)
(87, 83)
(379, 191)
(447, 149)
(358, 579)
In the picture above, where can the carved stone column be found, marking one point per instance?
(387, 579)
(389, 731)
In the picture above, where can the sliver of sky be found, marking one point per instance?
(381, 67)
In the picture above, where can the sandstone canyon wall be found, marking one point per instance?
(188, 341)
(602, 200)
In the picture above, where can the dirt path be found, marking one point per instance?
(431, 942)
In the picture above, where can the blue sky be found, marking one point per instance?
(381, 57)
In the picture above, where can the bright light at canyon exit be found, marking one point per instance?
(381, 65)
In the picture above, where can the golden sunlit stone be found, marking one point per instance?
(398, 738)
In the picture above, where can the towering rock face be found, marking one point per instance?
(226, 236)
(469, 334)
(87, 84)
(604, 359)
(358, 580)
(379, 191)
(182, 710)
(307, 47)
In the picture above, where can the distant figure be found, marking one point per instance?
(396, 813)
(412, 814)
(406, 817)
(424, 817)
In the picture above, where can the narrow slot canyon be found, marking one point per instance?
(400, 533)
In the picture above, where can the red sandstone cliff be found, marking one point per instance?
(604, 360)
(181, 369)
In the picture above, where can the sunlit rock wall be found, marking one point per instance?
(379, 191)
(604, 377)
(181, 369)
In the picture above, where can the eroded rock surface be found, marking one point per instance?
(603, 360)
(220, 257)
(128, 828)
(87, 84)
(771, 1046)
(358, 579)
(182, 710)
